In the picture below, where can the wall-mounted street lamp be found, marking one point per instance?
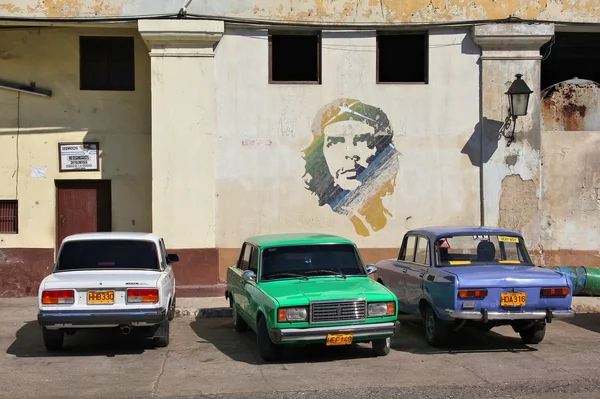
(518, 100)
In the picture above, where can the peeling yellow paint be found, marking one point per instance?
(328, 11)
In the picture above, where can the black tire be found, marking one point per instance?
(267, 349)
(381, 347)
(436, 331)
(171, 312)
(164, 335)
(239, 324)
(53, 339)
(534, 334)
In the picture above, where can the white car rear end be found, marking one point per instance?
(103, 280)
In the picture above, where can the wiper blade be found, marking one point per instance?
(286, 275)
(327, 271)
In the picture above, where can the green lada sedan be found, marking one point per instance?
(308, 288)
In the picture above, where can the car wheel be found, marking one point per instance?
(53, 339)
(172, 309)
(238, 323)
(436, 331)
(381, 347)
(534, 334)
(267, 349)
(163, 332)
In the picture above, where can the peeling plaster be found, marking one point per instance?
(319, 10)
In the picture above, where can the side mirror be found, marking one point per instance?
(371, 269)
(172, 258)
(249, 275)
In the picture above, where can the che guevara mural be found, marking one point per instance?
(351, 164)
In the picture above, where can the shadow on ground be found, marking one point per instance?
(241, 346)
(411, 339)
(29, 343)
(588, 321)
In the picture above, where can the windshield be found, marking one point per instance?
(481, 250)
(305, 261)
(108, 254)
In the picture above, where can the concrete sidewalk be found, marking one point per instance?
(206, 307)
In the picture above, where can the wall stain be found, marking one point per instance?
(571, 105)
(320, 10)
(518, 203)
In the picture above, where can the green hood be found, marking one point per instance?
(301, 292)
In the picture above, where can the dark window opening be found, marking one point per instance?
(106, 63)
(572, 55)
(9, 216)
(402, 58)
(295, 58)
(108, 254)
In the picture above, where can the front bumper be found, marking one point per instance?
(485, 315)
(84, 318)
(320, 333)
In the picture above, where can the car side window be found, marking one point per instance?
(408, 254)
(422, 252)
(245, 257)
(254, 260)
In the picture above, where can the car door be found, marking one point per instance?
(238, 284)
(397, 279)
(170, 279)
(415, 273)
(249, 286)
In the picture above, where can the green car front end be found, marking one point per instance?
(310, 288)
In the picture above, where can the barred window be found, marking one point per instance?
(9, 221)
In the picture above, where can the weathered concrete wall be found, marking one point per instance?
(32, 126)
(318, 10)
(269, 177)
(571, 174)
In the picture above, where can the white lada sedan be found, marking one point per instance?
(109, 280)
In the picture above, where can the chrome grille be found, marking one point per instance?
(332, 311)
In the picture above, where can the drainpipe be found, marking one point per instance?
(481, 148)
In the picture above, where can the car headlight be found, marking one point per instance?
(381, 309)
(292, 314)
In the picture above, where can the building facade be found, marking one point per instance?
(218, 121)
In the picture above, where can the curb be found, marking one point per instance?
(201, 313)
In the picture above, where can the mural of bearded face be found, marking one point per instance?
(352, 163)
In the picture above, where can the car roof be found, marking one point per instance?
(113, 235)
(270, 240)
(433, 232)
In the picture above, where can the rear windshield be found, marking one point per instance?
(310, 261)
(481, 250)
(108, 254)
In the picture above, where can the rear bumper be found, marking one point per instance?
(91, 318)
(320, 333)
(485, 315)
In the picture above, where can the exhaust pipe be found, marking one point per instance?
(125, 330)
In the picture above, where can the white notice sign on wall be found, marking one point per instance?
(78, 156)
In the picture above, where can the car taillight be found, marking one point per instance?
(138, 295)
(58, 297)
(464, 294)
(556, 292)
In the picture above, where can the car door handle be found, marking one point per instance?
(421, 274)
(404, 270)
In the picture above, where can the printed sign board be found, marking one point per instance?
(78, 157)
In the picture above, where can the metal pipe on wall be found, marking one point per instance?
(585, 280)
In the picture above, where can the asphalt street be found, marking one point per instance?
(207, 359)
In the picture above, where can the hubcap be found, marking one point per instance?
(387, 341)
(430, 325)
